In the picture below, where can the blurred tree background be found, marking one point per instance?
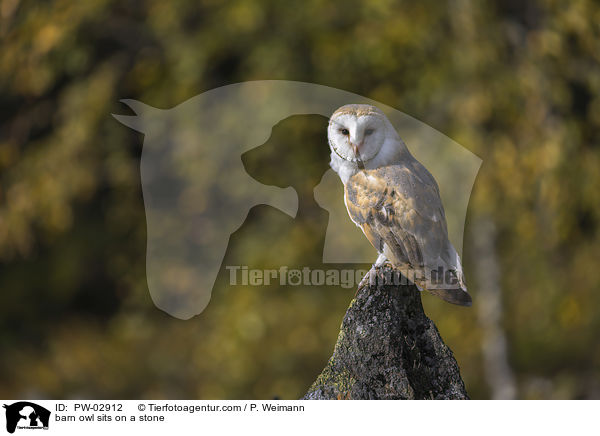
(517, 83)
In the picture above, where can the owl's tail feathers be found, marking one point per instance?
(454, 288)
(455, 296)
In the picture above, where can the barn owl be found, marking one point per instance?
(394, 200)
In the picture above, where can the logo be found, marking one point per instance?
(26, 415)
(198, 191)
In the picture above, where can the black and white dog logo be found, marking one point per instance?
(26, 415)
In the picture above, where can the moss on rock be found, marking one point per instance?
(388, 349)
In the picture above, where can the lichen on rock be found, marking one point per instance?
(387, 348)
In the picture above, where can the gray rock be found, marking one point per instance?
(387, 349)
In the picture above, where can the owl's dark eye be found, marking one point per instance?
(369, 131)
(344, 132)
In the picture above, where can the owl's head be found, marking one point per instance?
(361, 135)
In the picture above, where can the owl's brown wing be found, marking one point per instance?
(400, 211)
(397, 208)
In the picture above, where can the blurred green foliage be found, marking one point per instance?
(516, 83)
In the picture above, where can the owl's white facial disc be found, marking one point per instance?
(356, 138)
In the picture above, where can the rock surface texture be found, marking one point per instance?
(387, 348)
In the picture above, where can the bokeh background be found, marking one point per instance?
(517, 83)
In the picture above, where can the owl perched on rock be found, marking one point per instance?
(395, 201)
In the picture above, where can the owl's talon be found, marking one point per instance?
(365, 282)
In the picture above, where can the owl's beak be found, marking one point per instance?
(356, 150)
(356, 147)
